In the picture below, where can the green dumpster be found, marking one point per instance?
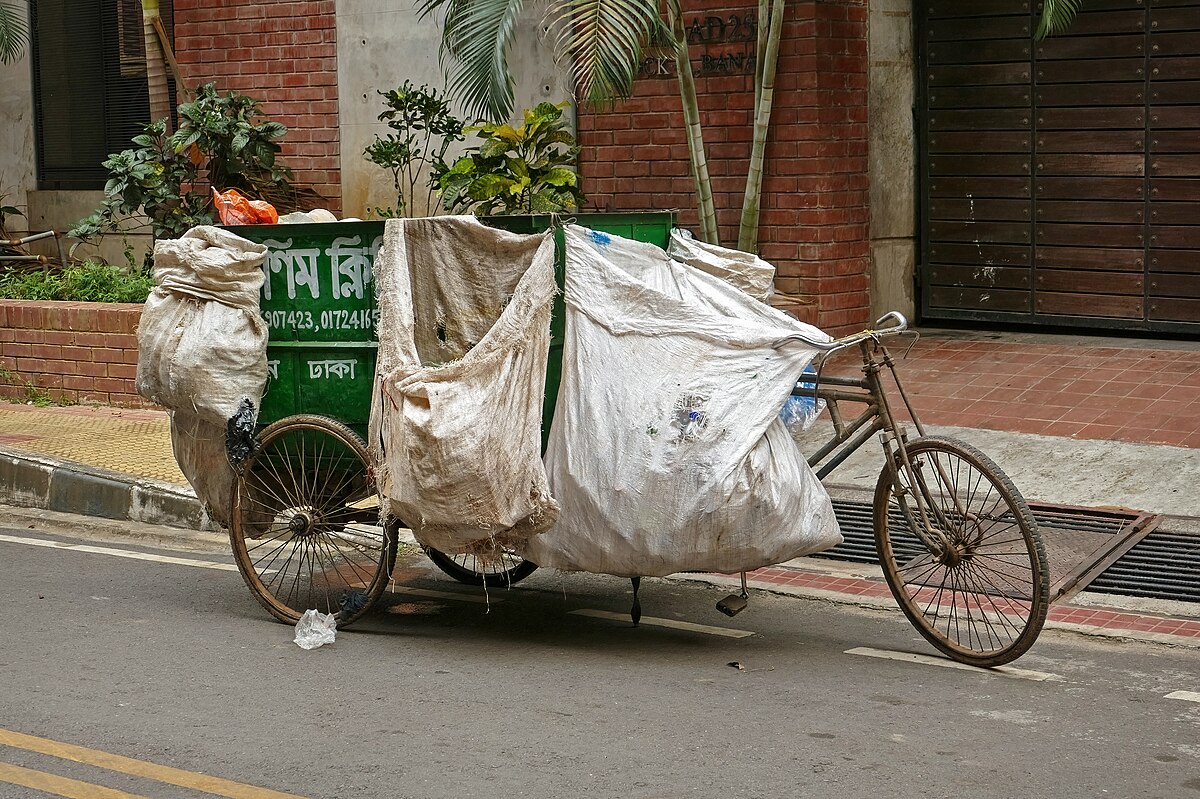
(319, 304)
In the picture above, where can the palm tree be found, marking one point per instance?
(14, 33)
(603, 41)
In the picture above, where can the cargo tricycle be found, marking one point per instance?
(957, 544)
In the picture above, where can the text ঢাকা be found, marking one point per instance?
(342, 368)
(349, 267)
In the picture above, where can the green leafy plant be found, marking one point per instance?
(90, 281)
(219, 144)
(422, 131)
(528, 169)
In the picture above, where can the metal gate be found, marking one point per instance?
(1060, 180)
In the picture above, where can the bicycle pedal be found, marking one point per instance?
(733, 604)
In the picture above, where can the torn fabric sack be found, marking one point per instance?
(464, 332)
(202, 345)
(666, 452)
(199, 448)
(202, 353)
(744, 270)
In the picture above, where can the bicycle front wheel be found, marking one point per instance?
(961, 552)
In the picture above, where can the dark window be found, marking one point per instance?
(89, 86)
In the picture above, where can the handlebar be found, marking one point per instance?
(890, 324)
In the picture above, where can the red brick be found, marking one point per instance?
(111, 384)
(123, 370)
(90, 368)
(77, 382)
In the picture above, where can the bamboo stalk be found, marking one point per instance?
(752, 201)
(695, 134)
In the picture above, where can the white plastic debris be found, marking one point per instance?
(315, 629)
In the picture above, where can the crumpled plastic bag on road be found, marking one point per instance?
(667, 452)
(315, 629)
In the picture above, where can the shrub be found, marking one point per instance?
(517, 170)
(423, 130)
(86, 282)
(220, 143)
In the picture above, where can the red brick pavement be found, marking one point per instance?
(1136, 394)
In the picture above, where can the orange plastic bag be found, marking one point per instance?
(236, 209)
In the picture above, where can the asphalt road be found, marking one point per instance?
(158, 678)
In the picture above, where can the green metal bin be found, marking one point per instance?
(319, 304)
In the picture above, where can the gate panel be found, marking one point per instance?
(1060, 180)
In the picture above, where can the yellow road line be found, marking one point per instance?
(59, 786)
(137, 768)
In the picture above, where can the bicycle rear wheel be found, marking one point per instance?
(975, 582)
(305, 524)
(506, 569)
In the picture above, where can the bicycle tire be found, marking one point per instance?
(983, 598)
(473, 570)
(303, 532)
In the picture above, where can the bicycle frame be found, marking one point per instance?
(876, 418)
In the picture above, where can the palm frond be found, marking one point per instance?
(602, 40)
(1057, 16)
(476, 36)
(14, 32)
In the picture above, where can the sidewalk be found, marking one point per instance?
(1074, 420)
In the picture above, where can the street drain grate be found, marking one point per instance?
(1081, 543)
(1162, 566)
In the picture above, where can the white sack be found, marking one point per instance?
(464, 332)
(199, 448)
(744, 270)
(202, 346)
(666, 452)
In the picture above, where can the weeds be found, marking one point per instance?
(33, 394)
(86, 282)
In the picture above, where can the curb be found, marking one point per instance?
(35, 481)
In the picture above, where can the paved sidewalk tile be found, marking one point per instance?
(130, 441)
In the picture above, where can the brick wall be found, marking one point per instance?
(814, 213)
(282, 53)
(75, 351)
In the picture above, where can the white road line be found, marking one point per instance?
(1186, 696)
(928, 660)
(120, 553)
(425, 592)
(672, 623)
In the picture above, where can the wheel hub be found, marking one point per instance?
(302, 524)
